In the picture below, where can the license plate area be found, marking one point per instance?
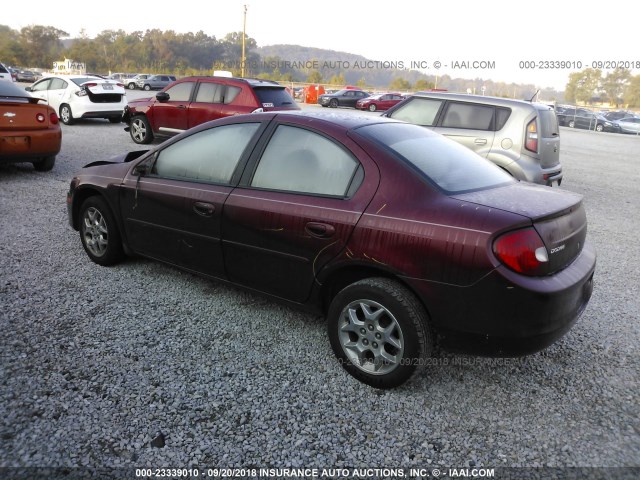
(15, 143)
(106, 86)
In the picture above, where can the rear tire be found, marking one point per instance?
(571, 124)
(66, 116)
(379, 331)
(131, 86)
(99, 232)
(599, 127)
(46, 164)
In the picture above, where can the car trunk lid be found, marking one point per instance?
(558, 216)
(23, 114)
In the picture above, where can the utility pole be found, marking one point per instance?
(244, 35)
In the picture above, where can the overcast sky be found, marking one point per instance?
(505, 33)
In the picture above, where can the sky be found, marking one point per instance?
(540, 42)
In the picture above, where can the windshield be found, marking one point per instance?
(451, 166)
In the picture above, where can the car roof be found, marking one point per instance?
(9, 89)
(254, 82)
(483, 99)
(347, 120)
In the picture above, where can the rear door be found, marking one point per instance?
(295, 210)
(207, 103)
(469, 124)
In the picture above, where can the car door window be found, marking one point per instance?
(419, 111)
(301, 161)
(231, 93)
(41, 86)
(208, 156)
(58, 84)
(180, 92)
(470, 116)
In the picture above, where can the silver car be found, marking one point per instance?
(520, 137)
(629, 125)
(156, 82)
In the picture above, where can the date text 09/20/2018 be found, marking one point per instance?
(577, 64)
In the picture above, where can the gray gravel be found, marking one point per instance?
(143, 365)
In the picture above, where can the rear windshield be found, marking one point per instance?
(451, 166)
(80, 81)
(273, 97)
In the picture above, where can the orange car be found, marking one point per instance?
(29, 130)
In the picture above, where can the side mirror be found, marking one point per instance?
(28, 89)
(141, 170)
(162, 96)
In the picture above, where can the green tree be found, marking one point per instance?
(632, 92)
(338, 80)
(399, 84)
(583, 85)
(423, 84)
(614, 85)
(314, 76)
(41, 45)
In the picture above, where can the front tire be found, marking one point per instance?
(571, 124)
(333, 103)
(99, 233)
(131, 86)
(379, 331)
(372, 107)
(140, 130)
(46, 164)
(66, 116)
(599, 127)
(147, 88)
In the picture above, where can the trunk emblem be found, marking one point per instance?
(9, 114)
(557, 249)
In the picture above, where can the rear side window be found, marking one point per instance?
(452, 167)
(419, 111)
(273, 97)
(58, 84)
(502, 115)
(301, 161)
(231, 94)
(469, 116)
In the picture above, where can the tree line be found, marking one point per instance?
(618, 87)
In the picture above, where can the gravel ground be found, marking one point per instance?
(97, 362)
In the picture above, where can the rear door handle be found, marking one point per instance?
(204, 209)
(480, 141)
(320, 230)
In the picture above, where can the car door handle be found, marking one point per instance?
(320, 230)
(204, 209)
(480, 141)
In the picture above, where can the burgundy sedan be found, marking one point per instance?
(381, 101)
(394, 232)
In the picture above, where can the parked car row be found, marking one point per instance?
(615, 122)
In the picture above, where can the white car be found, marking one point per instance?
(82, 96)
(5, 74)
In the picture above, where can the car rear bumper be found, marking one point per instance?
(29, 144)
(508, 314)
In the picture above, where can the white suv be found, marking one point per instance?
(5, 74)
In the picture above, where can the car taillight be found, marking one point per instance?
(40, 117)
(531, 142)
(87, 85)
(53, 118)
(522, 251)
